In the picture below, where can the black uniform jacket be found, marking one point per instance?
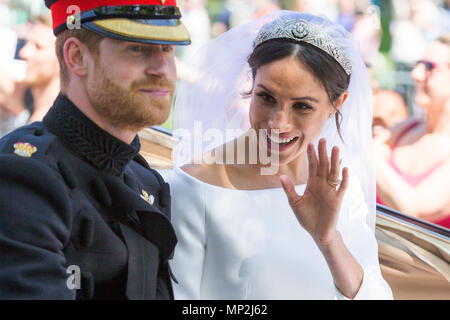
(73, 196)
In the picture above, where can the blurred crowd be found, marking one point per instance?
(409, 70)
(29, 72)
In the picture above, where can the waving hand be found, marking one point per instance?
(318, 209)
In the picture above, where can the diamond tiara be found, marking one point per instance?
(303, 31)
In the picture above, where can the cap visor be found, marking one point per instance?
(126, 29)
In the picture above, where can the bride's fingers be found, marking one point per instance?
(324, 162)
(344, 184)
(313, 163)
(334, 170)
(289, 189)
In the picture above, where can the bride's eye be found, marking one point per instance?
(301, 106)
(266, 97)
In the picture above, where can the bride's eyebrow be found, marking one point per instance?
(293, 99)
(305, 98)
(265, 88)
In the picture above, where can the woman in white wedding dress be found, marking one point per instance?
(306, 230)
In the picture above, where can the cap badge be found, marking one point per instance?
(149, 198)
(24, 149)
(163, 1)
(71, 19)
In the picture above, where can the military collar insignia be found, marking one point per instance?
(24, 149)
(80, 134)
(149, 198)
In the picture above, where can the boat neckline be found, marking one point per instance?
(185, 174)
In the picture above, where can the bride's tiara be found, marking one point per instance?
(303, 31)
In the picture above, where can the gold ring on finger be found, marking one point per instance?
(333, 184)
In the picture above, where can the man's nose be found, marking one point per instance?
(158, 63)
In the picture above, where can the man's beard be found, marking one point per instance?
(128, 108)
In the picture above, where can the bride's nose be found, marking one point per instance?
(280, 121)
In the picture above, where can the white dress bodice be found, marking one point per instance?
(248, 244)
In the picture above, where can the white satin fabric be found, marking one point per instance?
(247, 244)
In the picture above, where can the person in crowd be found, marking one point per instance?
(306, 229)
(264, 7)
(413, 158)
(42, 73)
(367, 31)
(300, 5)
(234, 13)
(347, 14)
(13, 113)
(196, 20)
(82, 214)
(222, 22)
(35, 75)
(414, 25)
(389, 108)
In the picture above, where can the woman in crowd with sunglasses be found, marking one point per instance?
(413, 158)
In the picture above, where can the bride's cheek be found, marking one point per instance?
(258, 116)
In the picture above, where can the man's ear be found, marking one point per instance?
(76, 57)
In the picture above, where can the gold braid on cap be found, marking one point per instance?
(303, 31)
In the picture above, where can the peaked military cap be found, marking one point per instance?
(145, 21)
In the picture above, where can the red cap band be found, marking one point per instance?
(60, 9)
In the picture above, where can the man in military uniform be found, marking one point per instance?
(82, 215)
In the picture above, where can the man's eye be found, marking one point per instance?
(167, 48)
(136, 49)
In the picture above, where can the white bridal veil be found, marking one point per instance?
(212, 100)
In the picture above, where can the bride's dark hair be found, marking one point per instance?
(329, 72)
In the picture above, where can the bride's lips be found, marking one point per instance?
(282, 146)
